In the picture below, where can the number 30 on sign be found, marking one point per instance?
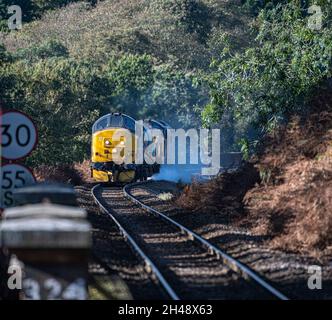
(18, 139)
(18, 135)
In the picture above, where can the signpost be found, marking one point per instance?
(13, 176)
(18, 135)
(53, 241)
(18, 139)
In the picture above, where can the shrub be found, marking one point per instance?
(48, 49)
(276, 76)
(65, 96)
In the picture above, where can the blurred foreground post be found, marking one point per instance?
(52, 242)
(56, 193)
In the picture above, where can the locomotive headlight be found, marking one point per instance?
(107, 143)
(122, 140)
(114, 150)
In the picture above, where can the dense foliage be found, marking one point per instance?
(184, 33)
(65, 95)
(76, 63)
(275, 76)
(153, 59)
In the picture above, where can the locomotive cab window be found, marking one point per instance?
(114, 121)
(100, 125)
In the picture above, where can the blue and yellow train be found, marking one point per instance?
(105, 148)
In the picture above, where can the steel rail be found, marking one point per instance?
(234, 264)
(150, 266)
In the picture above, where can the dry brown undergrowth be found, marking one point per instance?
(291, 200)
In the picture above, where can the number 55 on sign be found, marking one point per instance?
(18, 139)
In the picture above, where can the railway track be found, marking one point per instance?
(112, 257)
(149, 265)
(183, 263)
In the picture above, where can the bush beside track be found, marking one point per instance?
(284, 193)
(74, 174)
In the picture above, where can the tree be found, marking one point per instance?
(275, 77)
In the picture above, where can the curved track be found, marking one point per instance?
(150, 266)
(234, 264)
(183, 263)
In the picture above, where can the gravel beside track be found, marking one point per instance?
(288, 272)
(191, 270)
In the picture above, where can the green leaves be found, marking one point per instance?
(130, 72)
(274, 77)
(48, 49)
(57, 93)
(65, 95)
(5, 56)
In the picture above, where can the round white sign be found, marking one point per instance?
(18, 135)
(13, 176)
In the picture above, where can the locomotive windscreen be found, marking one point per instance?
(114, 121)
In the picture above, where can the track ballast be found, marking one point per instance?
(184, 264)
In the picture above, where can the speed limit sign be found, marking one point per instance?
(13, 176)
(18, 135)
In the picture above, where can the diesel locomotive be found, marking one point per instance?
(112, 135)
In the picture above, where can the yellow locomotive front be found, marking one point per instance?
(113, 140)
(109, 137)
